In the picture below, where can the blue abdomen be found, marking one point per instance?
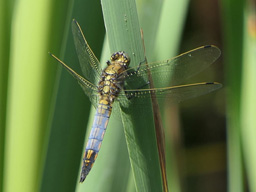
(95, 139)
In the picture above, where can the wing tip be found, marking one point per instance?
(210, 46)
(218, 85)
(207, 46)
(74, 20)
(212, 83)
(214, 49)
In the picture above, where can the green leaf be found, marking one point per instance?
(6, 8)
(71, 109)
(233, 42)
(248, 104)
(123, 31)
(29, 94)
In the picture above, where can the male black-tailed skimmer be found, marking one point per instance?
(118, 82)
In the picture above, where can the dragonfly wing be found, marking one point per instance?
(90, 89)
(173, 71)
(89, 63)
(174, 93)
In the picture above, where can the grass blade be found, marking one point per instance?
(28, 101)
(248, 107)
(6, 8)
(123, 31)
(71, 109)
(233, 27)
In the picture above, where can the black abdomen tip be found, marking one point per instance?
(82, 178)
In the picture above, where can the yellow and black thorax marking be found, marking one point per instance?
(112, 79)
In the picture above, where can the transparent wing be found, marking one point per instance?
(90, 65)
(90, 89)
(174, 93)
(173, 71)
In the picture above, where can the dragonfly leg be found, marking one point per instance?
(130, 73)
(144, 61)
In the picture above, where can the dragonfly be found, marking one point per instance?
(119, 82)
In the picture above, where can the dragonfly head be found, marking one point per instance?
(121, 57)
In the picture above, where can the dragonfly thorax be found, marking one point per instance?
(120, 58)
(112, 77)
